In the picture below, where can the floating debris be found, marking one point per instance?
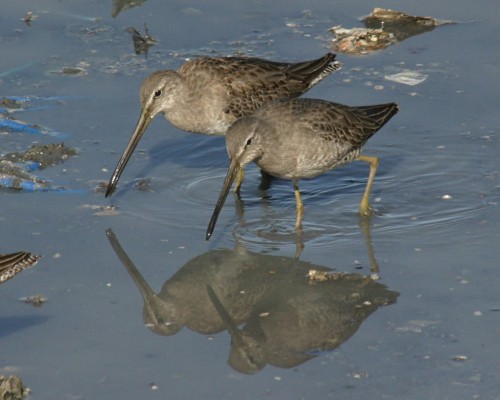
(143, 185)
(36, 300)
(101, 187)
(102, 211)
(359, 374)
(410, 78)
(43, 155)
(14, 167)
(29, 18)
(70, 71)
(9, 124)
(383, 28)
(107, 211)
(360, 40)
(12, 388)
(315, 275)
(141, 43)
(12, 264)
(397, 21)
(15, 177)
(13, 104)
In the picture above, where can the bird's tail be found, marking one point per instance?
(315, 71)
(380, 113)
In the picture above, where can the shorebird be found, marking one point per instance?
(302, 138)
(207, 95)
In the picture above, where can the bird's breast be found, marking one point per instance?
(306, 162)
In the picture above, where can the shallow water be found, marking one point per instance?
(434, 233)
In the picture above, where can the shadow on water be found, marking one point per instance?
(14, 324)
(291, 310)
(191, 151)
(194, 151)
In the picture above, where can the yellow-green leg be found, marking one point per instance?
(240, 175)
(300, 206)
(364, 207)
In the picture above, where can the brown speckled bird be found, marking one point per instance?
(302, 138)
(207, 95)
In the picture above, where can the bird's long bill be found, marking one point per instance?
(231, 174)
(141, 283)
(142, 124)
(229, 322)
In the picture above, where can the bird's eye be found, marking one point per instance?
(157, 94)
(249, 142)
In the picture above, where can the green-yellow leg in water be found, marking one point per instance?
(364, 207)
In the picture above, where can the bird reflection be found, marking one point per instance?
(301, 318)
(122, 5)
(289, 310)
(240, 278)
(141, 43)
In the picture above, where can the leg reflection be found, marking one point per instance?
(365, 225)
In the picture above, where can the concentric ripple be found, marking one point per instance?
(424, 192)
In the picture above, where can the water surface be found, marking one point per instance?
(434, 232)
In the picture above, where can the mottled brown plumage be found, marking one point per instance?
(12, 264)
(302, 138)
(207, 95)
(249, 83)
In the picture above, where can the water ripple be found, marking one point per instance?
(404, 197)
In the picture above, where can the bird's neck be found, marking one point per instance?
(195, 114)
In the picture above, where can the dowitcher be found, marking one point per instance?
(302, 138)
(207, 95)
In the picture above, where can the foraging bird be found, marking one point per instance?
(302, 138)
(207, 95)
